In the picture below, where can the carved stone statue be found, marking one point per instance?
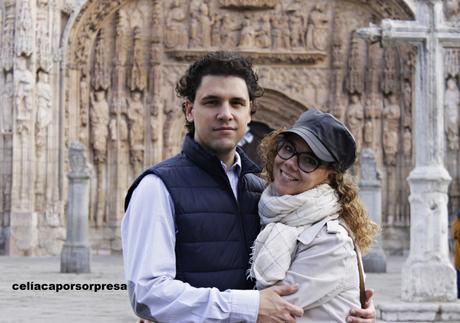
(84, 101)
(389, 82)
(368, 131)
(215, 31)
(451, 8)
(355, 119)
(42, 122)
(263, 38)
(175, 31)
(451, 106)
(316, 37)
(136, 123)
(99, 121)
(407, 102)
(44, 113)
(391, 117)
(407, 142)
(296, 27)
(24, 87)
(247, 35)
(7, 102)
(101, 77)
(205, 23)
(280, 32)
(229, 27)
(138, 74)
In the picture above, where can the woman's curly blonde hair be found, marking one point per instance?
(352, 212)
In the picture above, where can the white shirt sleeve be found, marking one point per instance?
(148, 237)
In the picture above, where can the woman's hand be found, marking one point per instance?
(366, 315)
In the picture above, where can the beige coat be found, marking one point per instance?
(326, 269)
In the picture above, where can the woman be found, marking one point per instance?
(312, 218)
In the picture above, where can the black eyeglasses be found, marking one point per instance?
(307, 162)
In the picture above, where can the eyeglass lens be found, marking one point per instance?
(306, 161)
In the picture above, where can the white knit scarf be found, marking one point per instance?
(285, 218)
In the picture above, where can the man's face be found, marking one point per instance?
(221, 112)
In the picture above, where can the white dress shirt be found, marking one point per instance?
(149, 238)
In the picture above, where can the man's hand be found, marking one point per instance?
(273, 308)
(366, 315)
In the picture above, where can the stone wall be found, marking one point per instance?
(103, 72)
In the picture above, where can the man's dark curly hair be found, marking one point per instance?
(218, 64)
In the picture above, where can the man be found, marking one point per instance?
(191, 220)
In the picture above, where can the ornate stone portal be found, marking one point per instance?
(112, 87)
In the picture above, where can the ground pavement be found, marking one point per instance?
(104, 306)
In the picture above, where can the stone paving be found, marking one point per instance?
(105, 306)
(64, 306)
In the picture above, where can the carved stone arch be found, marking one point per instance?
(278, 110)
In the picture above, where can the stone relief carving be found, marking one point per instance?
(355, 119)
(121, 49)
(44, 113)
(317, 34)
(24, 80)
(83, 41)
(24, 41)
(7, 100)
(296, 28)
(99, 121)
(101, 77)
(84, 101)
(390, 78)
(407, 103)
(263, 36)
(355, 80)
(43, 36)
(7, 45)
(407, 142)
(451, 8)
(391, 117)
(249, 4)
(368, 131)
(452, 64)
(200, 25)
(451, 106)
(42, 122)
(175, 32)
(138, 80)
(215, 30)
(229, 29)
(205, 23)
(247, 35)
(136, 130)
(280, 32)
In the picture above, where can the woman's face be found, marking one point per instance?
(288, 178)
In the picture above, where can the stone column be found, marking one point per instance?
(75, 255)
(370, 191)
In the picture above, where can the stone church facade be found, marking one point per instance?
(103, 72)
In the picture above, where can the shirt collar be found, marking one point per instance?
(236, 167)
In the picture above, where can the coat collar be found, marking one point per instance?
(209, 161)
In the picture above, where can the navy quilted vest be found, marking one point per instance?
(214, 231)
